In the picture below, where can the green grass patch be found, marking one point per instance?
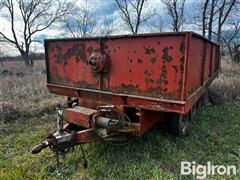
(214, 136)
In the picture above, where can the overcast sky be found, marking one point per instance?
(102, 9)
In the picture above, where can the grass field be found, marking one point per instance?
(28, 115)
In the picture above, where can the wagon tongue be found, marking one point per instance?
(107, 123)
(38, 148)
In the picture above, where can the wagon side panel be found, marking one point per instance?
(194, 68)
(203, 66)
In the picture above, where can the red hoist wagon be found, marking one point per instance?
(120, 86)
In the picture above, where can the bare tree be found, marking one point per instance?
(208, 14)
(131, 12)
(175, 9)
(157, 25)
(108, 26)
(220, 19)
(229, 38)
(211, 18)
(204, 17)
(35, 16)
(82, 22)
(224, 9)
(214, 15)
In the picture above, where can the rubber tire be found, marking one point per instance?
(177, 125)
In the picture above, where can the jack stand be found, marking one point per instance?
(59, 110)
(85, 162)
(57, 163)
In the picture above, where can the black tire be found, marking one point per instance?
(193, 111)
(177, 124)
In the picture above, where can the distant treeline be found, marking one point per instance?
(33, 56)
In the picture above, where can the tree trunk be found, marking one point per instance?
(27, 60)
(211, 20)
(230, 51)
(2, 64)
(237, 53)
(204, 18)
(219, 34)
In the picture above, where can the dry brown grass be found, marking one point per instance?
(18, 66)
(226, 88)
(24, 92)
(27, 92)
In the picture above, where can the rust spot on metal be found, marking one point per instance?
(165, 89)
(180, 86)
(90, 49)
(170, 95)
(105, 46)
(149, 50)
(84, 84)
(149, 80)
(182, 48)
(182, 64)
(139, 61)
(163, 77)
(180, 82)
(77, 50)
(157, 92)
(60, 79)
(77, 59)
(56, 74)
(125, 88)
(175, 68)
(58, 47)
(148, 72)
(153, 60)
(65, 63)
(59, 58)
(165, 56)
(95, 74)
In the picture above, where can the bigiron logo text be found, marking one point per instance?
(202, 171)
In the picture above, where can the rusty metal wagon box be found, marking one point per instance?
(163, 72)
